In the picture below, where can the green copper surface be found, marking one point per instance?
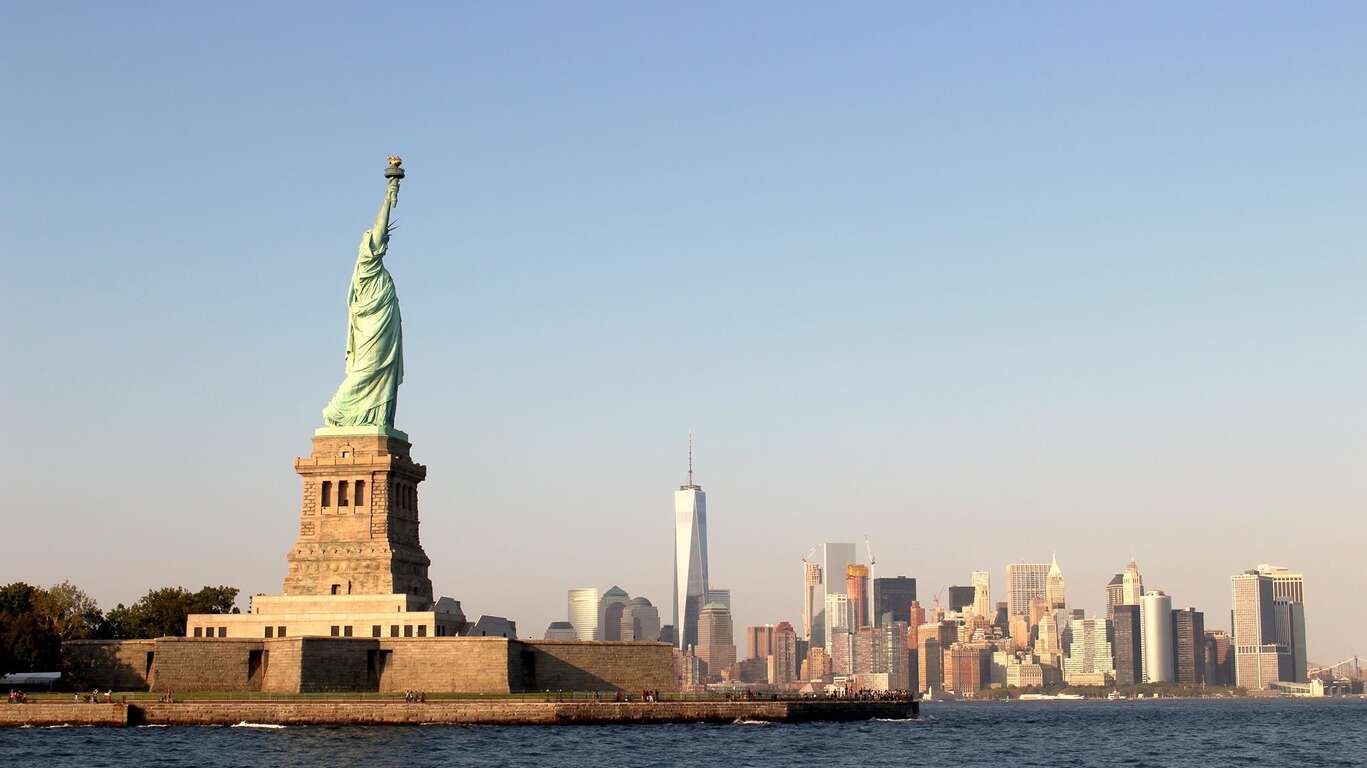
(381, 431)
(369, 394)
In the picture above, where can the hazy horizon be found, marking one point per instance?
(982, 285)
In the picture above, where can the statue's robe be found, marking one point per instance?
(374, 345)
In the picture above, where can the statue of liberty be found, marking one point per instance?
(369, 394)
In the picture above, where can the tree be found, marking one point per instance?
(28, 644)
(71, 613)
(162, 612)
(218, 599)
(17, 598)
(34, 622)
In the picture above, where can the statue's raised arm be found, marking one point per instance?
(379, 235)
(369, 394)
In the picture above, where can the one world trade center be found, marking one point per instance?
(690, 556)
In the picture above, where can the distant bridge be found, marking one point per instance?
(1350, 668)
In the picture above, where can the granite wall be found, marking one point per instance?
(570, 665)
(123, 665)
(355, 665)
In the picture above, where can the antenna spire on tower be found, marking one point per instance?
(690, 458)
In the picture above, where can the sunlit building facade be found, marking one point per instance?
(690, 558)
(583, 612)
(1025, 582)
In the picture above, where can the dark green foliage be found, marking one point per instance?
(28, 644)
(16, 598)
(162, 612)
(35, 621)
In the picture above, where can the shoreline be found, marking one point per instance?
(447, 712)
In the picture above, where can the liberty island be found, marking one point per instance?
(358, 614)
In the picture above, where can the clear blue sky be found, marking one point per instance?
(981, 283)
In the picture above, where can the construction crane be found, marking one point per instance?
(810, 552)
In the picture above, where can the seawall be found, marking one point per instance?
(66, 713)
(342, 712)
(288, 665)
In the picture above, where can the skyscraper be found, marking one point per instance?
(1115, 594)
(1025, 582)
(961, 597)
(1049, 640)
(1019, 627)
(1269, 622)
(1053, 585)
(1286, 585)
(716, 639)
(836, 558)
(893, 595)
(967, 667)
(818, 663)
(1288, 598)
(896, 654)
(1125, 645)
(690, 556)
(1188, 645)
(982, 595)
(1131, 585)
(717, 595)
(1259, 659)
(839, 618)
(932, 641)
(857, 588)
(783, 661)
(560, 630)
(759, 641)
(811, 603)
(842, 651)
(916, 615)
(866, 650)
(1219, 658)
(641, 621)
(610, 608)
(1155, 615)
(1089, 658)
(583, 611)
(1290, 619)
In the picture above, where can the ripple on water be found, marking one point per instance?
(1171, 734)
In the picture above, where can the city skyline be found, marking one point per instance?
(912, 274)
(1161, 644)
(1286, 582)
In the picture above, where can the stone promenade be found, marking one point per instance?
(495, 712)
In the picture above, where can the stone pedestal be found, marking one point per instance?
(358, 525)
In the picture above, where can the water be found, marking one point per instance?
(1163, 734)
